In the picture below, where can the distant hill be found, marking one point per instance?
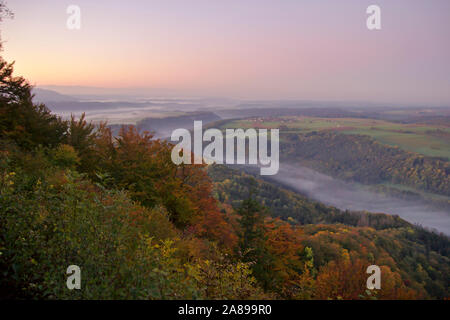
(164, 127)
(48, 96)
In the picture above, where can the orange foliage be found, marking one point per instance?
(283, 242)
(143, 166)
(346, 279)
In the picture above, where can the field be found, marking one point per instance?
(429, 140)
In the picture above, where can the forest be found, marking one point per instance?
(362, 159)
(140, 227)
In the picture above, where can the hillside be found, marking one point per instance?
(141, 227)
(231, 187)
(395, 159)
(329, 231)
(360, 158)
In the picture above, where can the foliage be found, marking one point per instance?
(325, 232)
(22, 121)
(126, 251)
(230, 185)
(141, 227)
(360, 158)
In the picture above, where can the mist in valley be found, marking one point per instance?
(349, 196)
(162, 116)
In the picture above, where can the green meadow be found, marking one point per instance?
(429, 140)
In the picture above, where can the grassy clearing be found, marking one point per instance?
(429, 140)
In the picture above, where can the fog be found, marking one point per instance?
(343, 195)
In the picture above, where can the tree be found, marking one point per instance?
(285, 249)
(252, 226)
(81, 135)
(142, 165)
(252, 242)
(22, 121)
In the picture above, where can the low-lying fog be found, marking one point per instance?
(348, 196)
(120, 115)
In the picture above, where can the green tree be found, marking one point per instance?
(252, 242)
(22, 121)
(81, 135)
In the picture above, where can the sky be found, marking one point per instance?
(248, 49)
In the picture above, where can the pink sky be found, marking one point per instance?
(280, 49)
